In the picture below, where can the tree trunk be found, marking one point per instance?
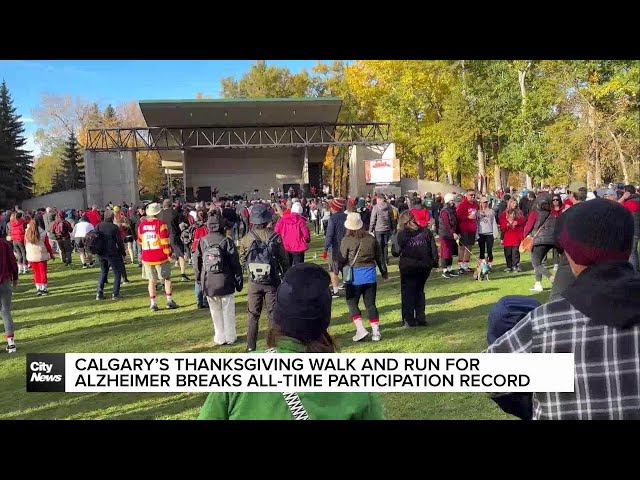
(459, 173)
(481, 161)
(598, 169)
(504, 178)
(621, 157)
(529, 181)
(420, 167)
(436, 166)
(495, 147)
(497, 181)
(449, 177)
(593, 149)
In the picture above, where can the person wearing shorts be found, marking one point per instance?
(171, 217)
(153, 236)
(80, 230)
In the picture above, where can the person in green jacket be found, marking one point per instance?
(301, 318)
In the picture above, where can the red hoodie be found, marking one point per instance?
(466, 224)
(94, 217)
(294, 232)
(421, 215)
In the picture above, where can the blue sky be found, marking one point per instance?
(120, 81)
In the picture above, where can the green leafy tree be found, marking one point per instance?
(268, 81)
(70, 176)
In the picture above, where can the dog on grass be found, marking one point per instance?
(482, 271)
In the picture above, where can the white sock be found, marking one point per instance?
(358, 323)
(169, 298)
(375, 328)
(336, 289)
(44, 286)
(153, 301)
(10, 341)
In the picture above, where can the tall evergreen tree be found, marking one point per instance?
(71, 174)
(16, 163)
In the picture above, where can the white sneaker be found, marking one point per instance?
(376, 337)
(537, 287)
(360, 335)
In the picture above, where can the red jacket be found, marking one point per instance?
(567, 202)
(422, 216)
(512, 235)
(153, 235)
(94, 217)
(466, 224)
(198, 233)
(17, 230)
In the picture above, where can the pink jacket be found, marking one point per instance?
(294, 232)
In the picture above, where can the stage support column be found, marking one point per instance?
(184, 175)
(305, 167)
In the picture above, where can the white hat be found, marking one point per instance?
(449, 197)
(296, 208)
(353, 222)
(153, 209)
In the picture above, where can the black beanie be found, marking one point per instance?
(303, 302)
(595, 231)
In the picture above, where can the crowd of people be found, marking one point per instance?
(590, 240)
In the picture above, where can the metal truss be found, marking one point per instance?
(190, 138)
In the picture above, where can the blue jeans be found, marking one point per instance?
(200, 300)
(117, 264)
(137, 251)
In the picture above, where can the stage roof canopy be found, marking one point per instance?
(241, 112)
(237, 112)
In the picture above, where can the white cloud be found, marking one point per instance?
(27, 120)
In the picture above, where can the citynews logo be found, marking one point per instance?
(45, 372)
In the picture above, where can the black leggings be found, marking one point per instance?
(368, 291)
(295, 257)
(316, 226)
(537, 254)
(18, 247)
(485, 240)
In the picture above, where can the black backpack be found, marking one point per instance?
(94, 241)
(213, 257)
(261, 260)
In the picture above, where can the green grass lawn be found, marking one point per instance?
(71, 320)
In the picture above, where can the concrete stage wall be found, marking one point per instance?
(111, 177)
(241, 171)
(60, 200)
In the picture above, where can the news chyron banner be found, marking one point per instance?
(277, 372)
